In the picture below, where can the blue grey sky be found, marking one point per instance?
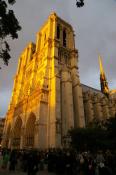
(95, 30)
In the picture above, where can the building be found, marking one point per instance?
(48, 98)
(97, 105)
(2, 120)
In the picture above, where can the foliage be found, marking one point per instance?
(99, 135)
(9, 26)
(88, 138)
(110, 125)
(95, 123)
(79, 3)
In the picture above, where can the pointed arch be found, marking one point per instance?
(8, 134)
(30, 130)
(16, 132)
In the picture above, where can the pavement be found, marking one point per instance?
(7, 172)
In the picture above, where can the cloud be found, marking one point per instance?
(4, 102)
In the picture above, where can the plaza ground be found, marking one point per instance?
(6, 172)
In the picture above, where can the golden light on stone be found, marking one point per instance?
(47, 97)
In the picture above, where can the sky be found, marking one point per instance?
(95, 30)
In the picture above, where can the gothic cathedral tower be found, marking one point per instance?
(47, 96)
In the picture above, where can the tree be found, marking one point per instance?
(96, 123)
(97, 135)
(79, 3)
(9, 26)
(110, 125)
(88, 138)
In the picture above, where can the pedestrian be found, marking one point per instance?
(5, 159)
(12, 160)
(32, 163)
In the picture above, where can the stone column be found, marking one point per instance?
(79, 119)
(38, 41)
(3, 141)
(42, 125)
(10, 141)
(105, 108)
(112, 109)
(58, 111)
(97, 107)
(88, 106)
(36, 135)
(67, 102)
(22, 138)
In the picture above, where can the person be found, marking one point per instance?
(12, 161)
(69, 163)
(32, 163)
(5, 159)
(60, 163)
(99, 162)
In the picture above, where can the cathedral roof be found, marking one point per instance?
(86, 88)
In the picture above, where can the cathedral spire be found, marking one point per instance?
(103, 80)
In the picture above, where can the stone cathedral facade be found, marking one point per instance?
(48, 98)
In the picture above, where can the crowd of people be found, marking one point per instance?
(59, 161)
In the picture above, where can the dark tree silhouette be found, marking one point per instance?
(97, 135)
(9, 26)
(88, 138)
(110, 125)
(79, 3)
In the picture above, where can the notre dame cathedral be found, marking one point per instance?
(48, 98)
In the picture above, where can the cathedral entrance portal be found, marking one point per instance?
(8, 134)
(30, 131)
(16, 133)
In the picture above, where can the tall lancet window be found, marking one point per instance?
(44, 39)
(64, 38)
(58, 32)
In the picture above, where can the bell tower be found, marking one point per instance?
(65, 91)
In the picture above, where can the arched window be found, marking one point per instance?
(44, 39)
(64, 38)
(58, 32)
